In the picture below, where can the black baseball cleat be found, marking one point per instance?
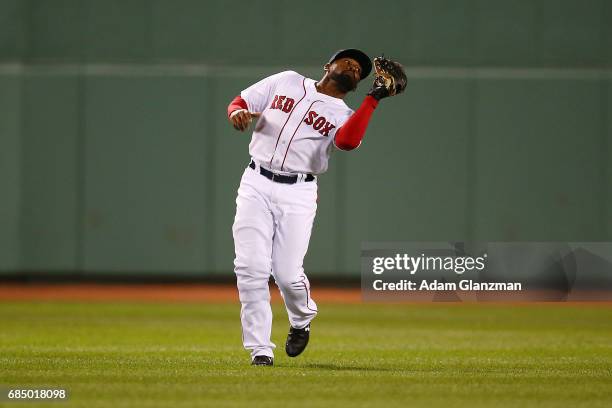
(262, 361)
(297, 340)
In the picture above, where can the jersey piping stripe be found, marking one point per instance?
(288, 117)
(295, 131)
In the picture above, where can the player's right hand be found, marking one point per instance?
(241, 119)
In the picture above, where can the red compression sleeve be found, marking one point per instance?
(349, 136)
(237, 103)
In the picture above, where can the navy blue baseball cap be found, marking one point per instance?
(359, 56)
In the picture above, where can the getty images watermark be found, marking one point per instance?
(458, 271)
(413, 264)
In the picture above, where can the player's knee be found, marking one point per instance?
(289, 284)
(252, 279)
(250, 267)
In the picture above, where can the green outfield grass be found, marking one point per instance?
(178, 355)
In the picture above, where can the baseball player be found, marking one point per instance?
(300, 123)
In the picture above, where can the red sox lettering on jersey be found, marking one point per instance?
(283, 103)
(286, 104)
(321, 124)
(295, 133)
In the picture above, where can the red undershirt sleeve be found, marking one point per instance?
(349, 136)
(237, 103)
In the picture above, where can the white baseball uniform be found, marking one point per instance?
(294, 136)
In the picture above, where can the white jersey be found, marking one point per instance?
(296, 130)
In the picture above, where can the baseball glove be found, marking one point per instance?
(390, 78)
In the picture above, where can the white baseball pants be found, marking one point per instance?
(271, 234)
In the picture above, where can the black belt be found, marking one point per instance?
(279, 178)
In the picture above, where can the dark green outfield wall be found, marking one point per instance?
(447, 32)
(116, 155)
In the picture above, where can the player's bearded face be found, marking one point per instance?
(345, 81)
